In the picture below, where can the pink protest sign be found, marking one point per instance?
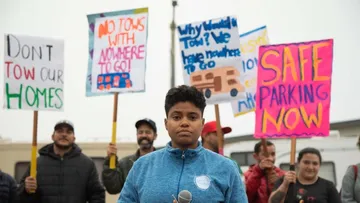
(293, 89)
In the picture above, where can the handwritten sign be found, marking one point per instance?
(211, 59)
(117, 55)
(293, 90)
(249, 47)
(33, 73)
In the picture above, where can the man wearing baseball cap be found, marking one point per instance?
(114, 179)
(209, 138)
(64, 173)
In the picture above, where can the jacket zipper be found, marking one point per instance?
(182, 169)
(61, 178)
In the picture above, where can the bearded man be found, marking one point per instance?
(114, 179)
(63, 174)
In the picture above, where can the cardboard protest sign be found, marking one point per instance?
(33, 73)
(211, 59)
(293, 89)
(293, 92)
(117, 52)
(249, 47)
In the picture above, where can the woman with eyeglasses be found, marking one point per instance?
(309, 187)
(350, 192)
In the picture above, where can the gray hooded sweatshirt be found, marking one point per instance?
(350, 192)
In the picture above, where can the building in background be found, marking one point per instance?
(15, 157)
(341, 143)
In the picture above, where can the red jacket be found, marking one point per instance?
(256, 184)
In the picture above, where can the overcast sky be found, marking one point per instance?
(287, 21)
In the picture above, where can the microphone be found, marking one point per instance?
(184, 197)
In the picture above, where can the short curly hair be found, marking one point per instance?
(184, 93)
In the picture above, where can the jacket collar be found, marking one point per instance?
(48, 150)
(182, 154)
(137, 154)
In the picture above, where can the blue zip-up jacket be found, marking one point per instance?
(160, 175)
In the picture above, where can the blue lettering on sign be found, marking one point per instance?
(249, 102)
(222, 38)
(249, 64)
(223, 53)
(204, 66)
(292, 94)
(192, 58)
(226, 23)
(190, 68)
(192, 42)
(193, 36)
(190, 30)
(206, 35)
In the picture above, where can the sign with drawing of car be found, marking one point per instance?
(219, 80)
(210, 55)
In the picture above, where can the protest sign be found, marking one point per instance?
(117, 52)
(33, 73)
(293, 89)
(211, 59)
(249, 47)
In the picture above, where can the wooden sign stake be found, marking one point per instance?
(219, 132)
(292, 188)
(113, 137)
(34, 146)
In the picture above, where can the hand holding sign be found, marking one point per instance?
(34, 79)
(117, 60)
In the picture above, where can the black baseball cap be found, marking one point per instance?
(64, 123)
(148, 121)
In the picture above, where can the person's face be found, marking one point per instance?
(145, 136)
(212, 140)
(309, 166)
(184, 124)
(63, 137)
(261, 155)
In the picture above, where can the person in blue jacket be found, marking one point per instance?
(184, 164)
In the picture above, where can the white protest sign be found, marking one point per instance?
(249, 46)
(211, 59)
(33, 73)
(119, 58)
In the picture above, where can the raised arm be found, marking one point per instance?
(113, 179)
(281, 187)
